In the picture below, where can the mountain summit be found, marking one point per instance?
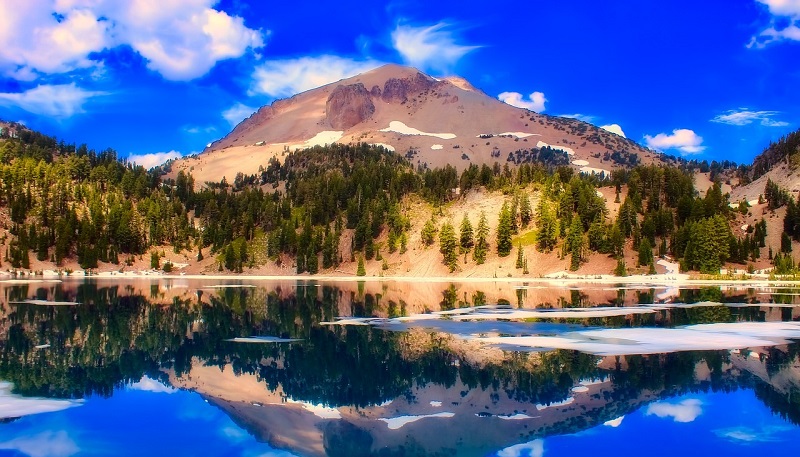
(431, 121)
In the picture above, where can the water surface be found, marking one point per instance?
(242, 367)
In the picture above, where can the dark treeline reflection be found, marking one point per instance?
(116, 336)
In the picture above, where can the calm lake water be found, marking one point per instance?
(257, 368)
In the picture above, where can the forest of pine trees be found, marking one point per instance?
(71, 202)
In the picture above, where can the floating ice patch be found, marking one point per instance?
(399, 127)
(568, 401)
(570, 313)
(45, 303)
(569, 151)
(388, 147)
(630, 341)
(320, 139)
(580, 163)
(395, 423)
(319, 410)
(437, 147)
(262, 339)
(12, 405)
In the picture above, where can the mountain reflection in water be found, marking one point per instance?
(386, 368)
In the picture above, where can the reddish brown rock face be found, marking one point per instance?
(348, 106)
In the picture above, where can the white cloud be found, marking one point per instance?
(429, 47)
(685, 411)
(45, 444)
(12, 405)
(154, 159)
(147, 383)
(783, 10)
(283, 78)
(744, 116)
(533, 448)
(614, 422)
(62, 100)
(180, 39)
(614, 128)
(782, 7)
(237, 113)
(684, 140)
(581, 117)
(745, 435)
(535, 100)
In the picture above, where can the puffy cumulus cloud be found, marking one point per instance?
(614, 128)
(283, 78)
(782, 7)
(60, 101)
(535, 101)
(614, 422)
(45, 444)
(154, 159)
(237, 113)
(12, 405)
(180, 39)
(35, 39)
(149, 384)
(684, 140)
(744, 116)
(784, 25)
(429, 47)
(533, 448)
(685, 411)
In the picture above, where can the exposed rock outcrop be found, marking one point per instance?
(348, 106)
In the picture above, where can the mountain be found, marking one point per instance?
(430, 121)
(779, 162)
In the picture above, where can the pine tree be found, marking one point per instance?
(481, 243)
(467, 240)
(525, 210)
(448, 246)
(361, 271)
(645, 253)
(504, 231)
(620, 270)
(575, 243)
(786, 242)
(520, 256)
(429, 232)
(547, 236)
(514, 210)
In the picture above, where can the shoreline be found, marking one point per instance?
(555, 279)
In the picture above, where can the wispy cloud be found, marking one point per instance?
(61, 101)
(535, 101)
(179, 39)
(431, 47)
(45, 444)
(684, 141)
(237, 113)
(746, 435)
(685, 411)
(614, 422)
(744, 116)
(784, 23)
(153, 159)
(614, 128)
(12, 405)
(580, 117)
(283, 78)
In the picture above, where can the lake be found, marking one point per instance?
(243, 367)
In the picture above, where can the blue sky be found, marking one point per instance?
(715, 79)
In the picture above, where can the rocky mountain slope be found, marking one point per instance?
(431, 121)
